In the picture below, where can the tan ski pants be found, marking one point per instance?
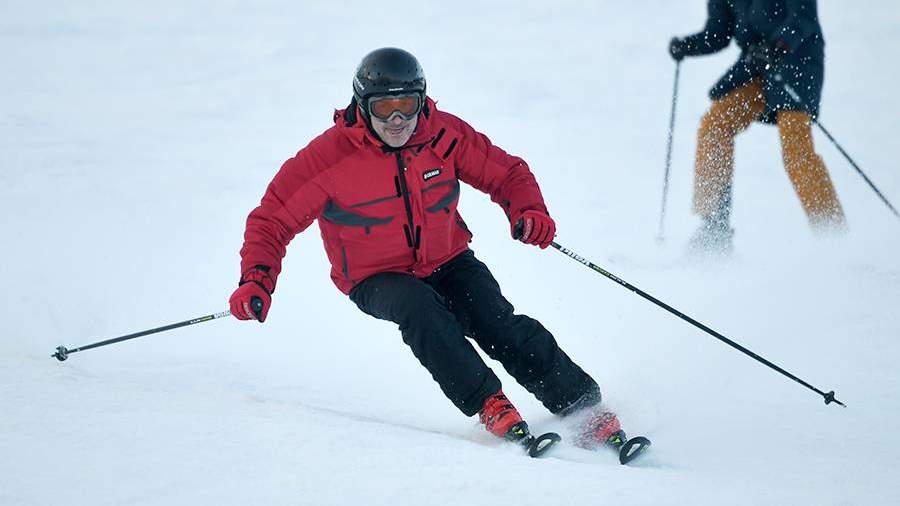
(731, 115)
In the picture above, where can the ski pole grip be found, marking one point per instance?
(519, 229)
(256, 305)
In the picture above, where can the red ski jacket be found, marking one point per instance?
(383, 209)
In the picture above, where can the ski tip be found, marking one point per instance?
(542, 444)
(633, 448)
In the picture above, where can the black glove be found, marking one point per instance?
(677, 48)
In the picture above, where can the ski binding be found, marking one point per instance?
(535, 446)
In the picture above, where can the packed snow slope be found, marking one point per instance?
(136, 136)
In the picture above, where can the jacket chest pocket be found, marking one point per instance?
(441, 196)
(368, 195)
(444, 228)
(350, 217)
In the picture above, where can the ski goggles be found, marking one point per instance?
(383, 107)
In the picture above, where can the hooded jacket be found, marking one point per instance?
(383, 209)
(750, 23)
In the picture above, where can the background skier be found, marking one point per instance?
(383, 183)
(781, 43)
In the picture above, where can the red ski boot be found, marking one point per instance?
(603, 429)
(499, 415)
(598, 429)
(502, 419)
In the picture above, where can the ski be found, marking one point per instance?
(534, 446)
(628, 449)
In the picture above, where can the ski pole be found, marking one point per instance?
(62, 353)
(861, 173)
(796, 98)
(665, 192)
(829, 396)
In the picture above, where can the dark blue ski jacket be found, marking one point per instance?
(765, 25)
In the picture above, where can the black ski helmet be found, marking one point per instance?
(387, 71)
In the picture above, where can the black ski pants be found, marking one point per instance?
(461, 299)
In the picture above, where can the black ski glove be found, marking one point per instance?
(677, 48)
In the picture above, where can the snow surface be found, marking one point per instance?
(136, 136)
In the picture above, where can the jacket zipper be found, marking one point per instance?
(412, 232)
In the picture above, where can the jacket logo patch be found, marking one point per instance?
(431, 173)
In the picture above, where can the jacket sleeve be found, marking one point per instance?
(506, 178)
(293, 199)
(716, 34)
(801, 23)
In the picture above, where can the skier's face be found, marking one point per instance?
(396, 131)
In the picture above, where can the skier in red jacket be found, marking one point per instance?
(383, 183)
